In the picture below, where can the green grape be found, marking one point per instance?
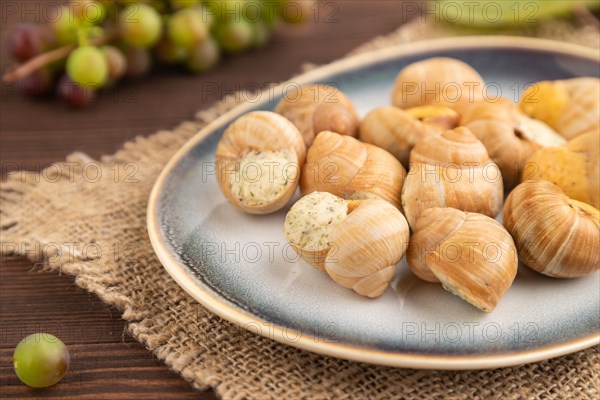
(296, 11)
(65, 25)
(41, 360)
(260, 11)
(169, 53)
(117, 63)
(87, 66)
(227, 10)
(139, 62)
(251, 10)
(89, 12)
(262, 34)
(140, 25)
(269, 12)
(204, 56)
(188, 27)
(235, 35)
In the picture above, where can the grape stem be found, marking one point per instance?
(49, 57)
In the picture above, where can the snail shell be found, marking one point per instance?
(440, 118)
(555, 235)
(345, 167)
(571, 106)
(451, 170)
(397, 130)
(472, 255)
(358, 243)
(509, 137)
(258, 162)
(318, 107)
(575, 167)
(437, 81)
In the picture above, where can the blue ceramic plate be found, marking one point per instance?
(239, 266)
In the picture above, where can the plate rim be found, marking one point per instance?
(229, 312)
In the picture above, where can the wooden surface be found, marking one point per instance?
(105, 361)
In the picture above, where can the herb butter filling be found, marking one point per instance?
(310, 221)
(263, 176)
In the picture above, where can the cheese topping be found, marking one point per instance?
(263, 176)
(310, 221)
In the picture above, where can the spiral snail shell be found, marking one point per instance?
(470, 254)
(258, 162)
(345, 167)
(317, 108)
(397, 130)
(451, 170)
(437, 81)
(509, 136)
(358, 243)
(555, 235)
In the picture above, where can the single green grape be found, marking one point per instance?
(259, 11)
(89, 12)
(117, 63)
(140, 25)
(41, 360)
(65, 25)
(188, 27)
(88, 67)
(251, 10)
(262, 34)
(170, 53)
(296, 11)
(270, 12)
(235, 35)
(139, 62)
(225, 10)
(204, 56)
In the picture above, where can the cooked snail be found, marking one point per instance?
(555, 235)
(357, 243)
(509, 136)
(470, 254)
(258, 162)
(451, 170)
(570, 106)
(437, 81)
(317, 108)
(397, 130)
(345, 167)
(575, 167)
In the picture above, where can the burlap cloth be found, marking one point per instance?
(88, 219)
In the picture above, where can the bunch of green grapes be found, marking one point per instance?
(104, 41)
(502, 14)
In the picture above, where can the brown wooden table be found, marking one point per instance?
(106, 362)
